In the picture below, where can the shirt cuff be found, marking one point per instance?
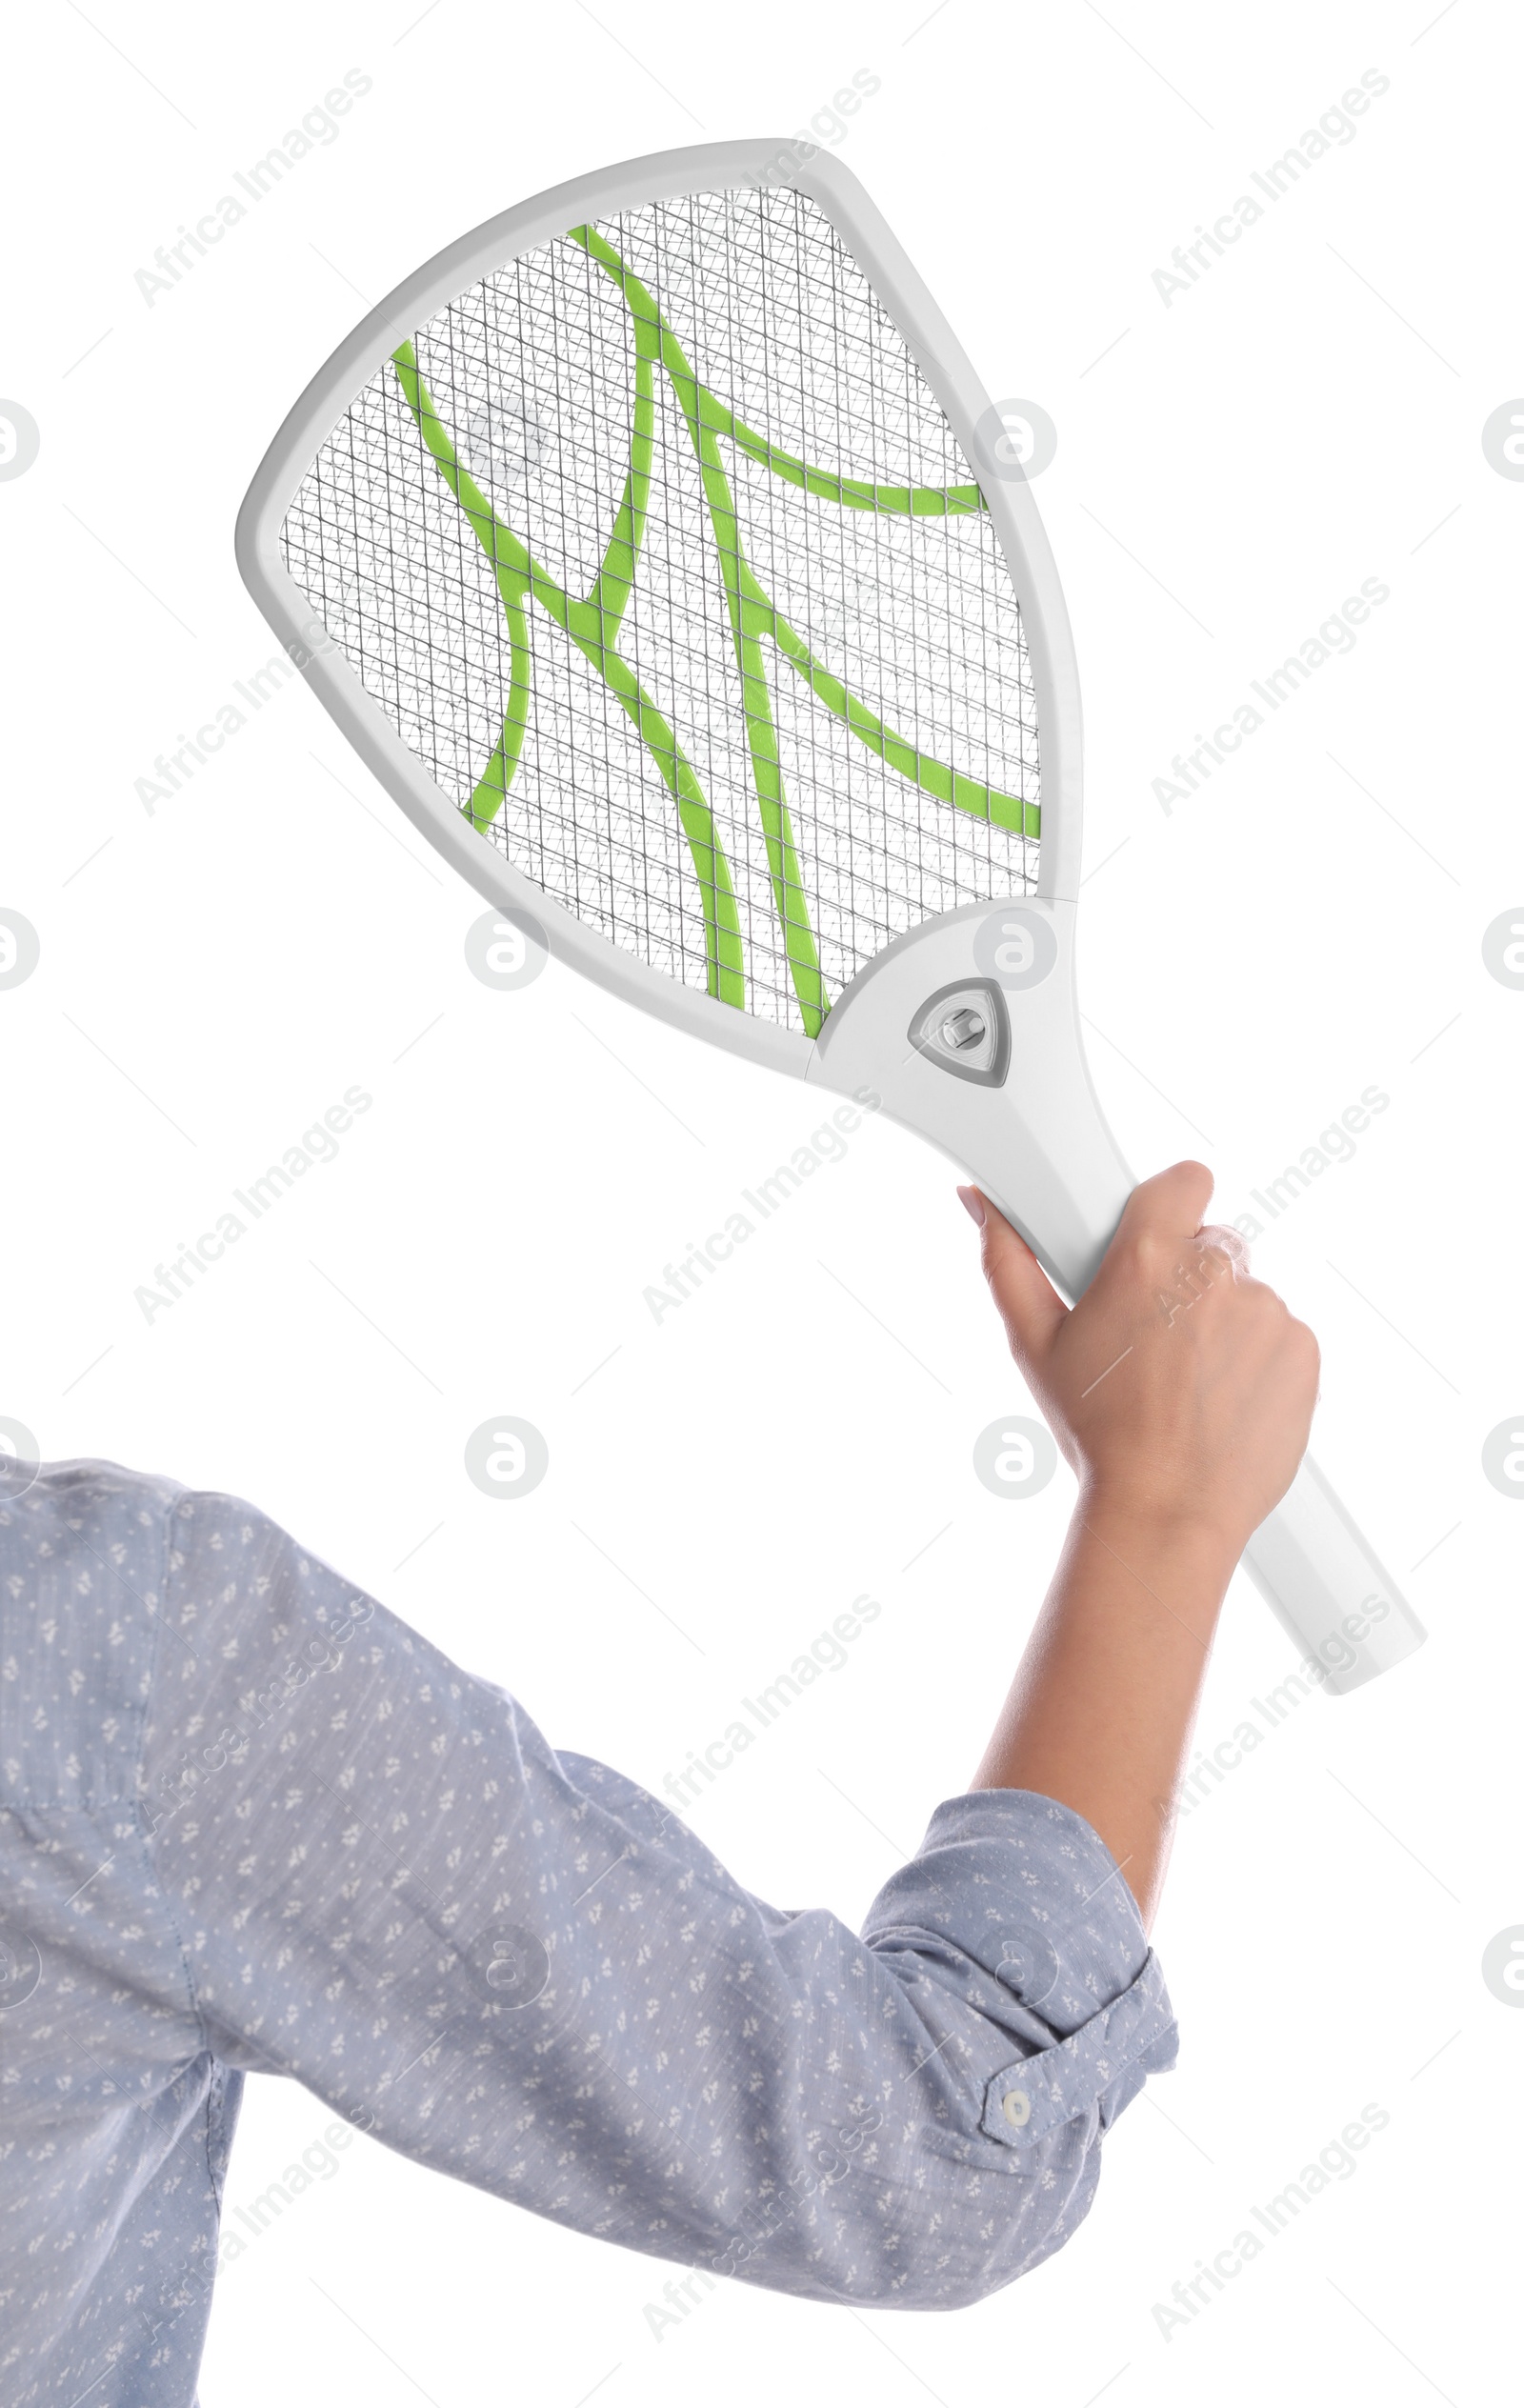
(1015, 1904)
(1032, 2096)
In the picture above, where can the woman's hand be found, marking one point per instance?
(1180, 1388)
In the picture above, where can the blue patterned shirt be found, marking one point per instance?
(250, 1821)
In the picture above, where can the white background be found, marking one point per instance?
(213, 976)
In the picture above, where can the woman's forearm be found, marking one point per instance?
(1100, 1711)
(1180, 1391)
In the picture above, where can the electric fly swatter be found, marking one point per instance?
(657, 548)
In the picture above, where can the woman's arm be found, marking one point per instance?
(1180, 1390)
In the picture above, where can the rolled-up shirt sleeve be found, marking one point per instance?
(517, 1966)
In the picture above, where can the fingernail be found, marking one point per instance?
(972, 1204)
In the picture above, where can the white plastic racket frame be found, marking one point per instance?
(1037, 1144)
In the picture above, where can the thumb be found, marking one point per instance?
(1028, 1303)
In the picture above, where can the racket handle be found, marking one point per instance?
(1036, 1141)
(1324, 1585)
(1308, 1559)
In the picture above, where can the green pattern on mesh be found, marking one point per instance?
(593, 623)
(749, 704)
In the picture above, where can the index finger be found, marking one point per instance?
(1171, 1204)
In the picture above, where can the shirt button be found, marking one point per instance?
(1016, 2108)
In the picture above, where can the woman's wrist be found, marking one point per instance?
(1150, 1519)
(1166, 1554)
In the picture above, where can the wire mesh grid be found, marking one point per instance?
(887, 656)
